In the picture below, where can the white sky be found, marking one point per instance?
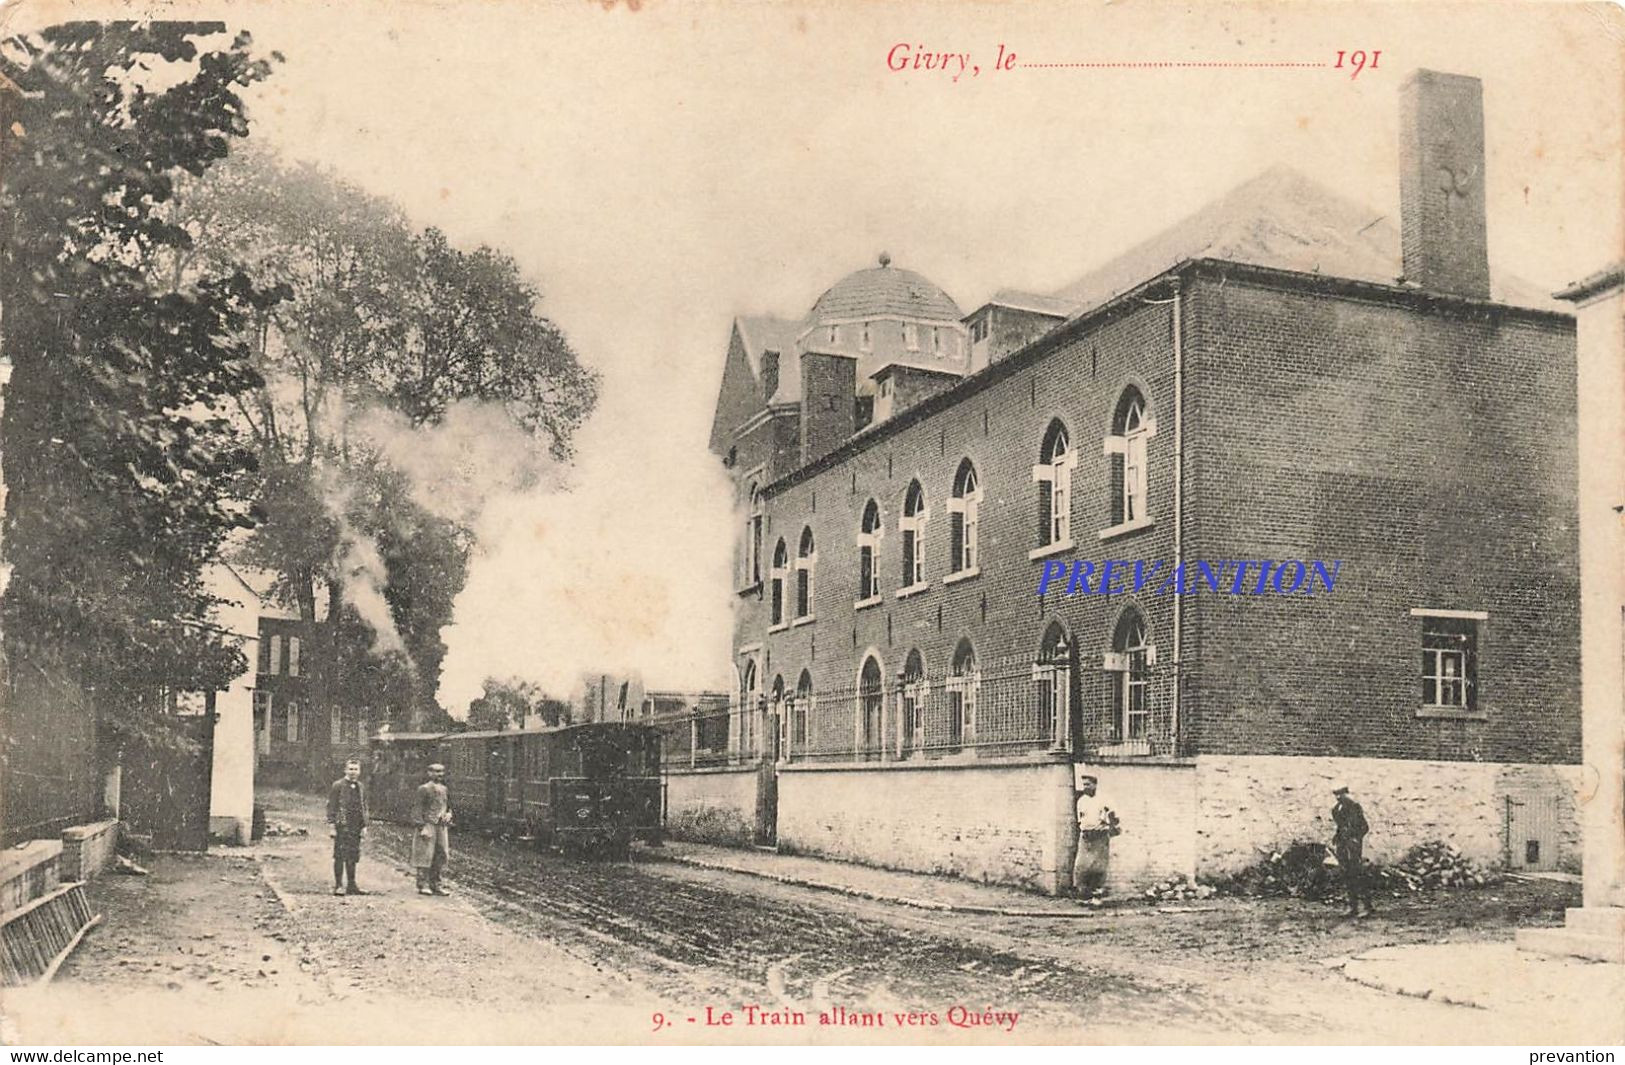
(658, 171)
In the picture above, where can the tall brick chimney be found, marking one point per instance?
(828, 414)
(1441, 189)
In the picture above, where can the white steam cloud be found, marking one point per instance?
(622, 565)
(619, 564)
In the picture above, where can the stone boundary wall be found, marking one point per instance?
(1248, 804)
(712, 805)
(88, 850)
(1009, 823)
(1155, 803)
(28, 871)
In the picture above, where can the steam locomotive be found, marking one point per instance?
(587, 789)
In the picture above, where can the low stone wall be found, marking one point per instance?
(88, 850)
(28, 871)
(1005, 823)
(1155, 803)
(712, 805)
(1252, 804)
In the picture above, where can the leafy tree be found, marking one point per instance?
(381, 317)
(122, 466)
(511, 703)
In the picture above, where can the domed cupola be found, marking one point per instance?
(883, 292)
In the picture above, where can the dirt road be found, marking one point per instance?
(535, 947)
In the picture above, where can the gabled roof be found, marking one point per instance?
(1018, 300)
(762, 333)
(1279, 219)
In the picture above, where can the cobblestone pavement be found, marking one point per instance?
(537, 948)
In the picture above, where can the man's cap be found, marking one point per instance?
(437, 767)
(1340, 791)
(1086, 779)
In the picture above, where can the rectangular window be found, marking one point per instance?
(275, 665)
(911, 336)
(911, 565)
(1450, 663)
(293, 656)
(868, 586)
(292, 734)
(936, 341)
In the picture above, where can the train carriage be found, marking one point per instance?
(592, 787)
(589, 788)
(400, 762)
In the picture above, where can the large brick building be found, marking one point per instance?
(1282, 376)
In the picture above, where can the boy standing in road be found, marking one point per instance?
(347, 820)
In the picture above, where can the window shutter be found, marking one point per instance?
(1117, 489)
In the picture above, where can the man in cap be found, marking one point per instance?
(1097, 824)
(1348, 842)
(347, 819)
(432, 844)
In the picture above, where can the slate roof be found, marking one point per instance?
(1031, 301)
(883, 290)
(1278, 219)
(763, 333)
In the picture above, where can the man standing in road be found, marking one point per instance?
(347, 820)
(432, 844)
(1097, 824)
(1348, 841)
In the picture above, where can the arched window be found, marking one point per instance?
(869, 533)
(781, 563)
(799, 711)
(1131, 428)
(1131, 706)
(1053, 475)
(780, 724)
(806, 559)
(964, 511)
(753, 540)
(871, 708)
(1052, 686)
(747, 708)
(912, 525)
(964, 680)
(911, 705)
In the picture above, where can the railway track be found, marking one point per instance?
(697, 942)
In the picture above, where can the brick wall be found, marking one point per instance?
(1248, 805)
(713, 806)
(1432, 451)
(88, 850)
(1006, 824)
(1000, 428)
(828, 388)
